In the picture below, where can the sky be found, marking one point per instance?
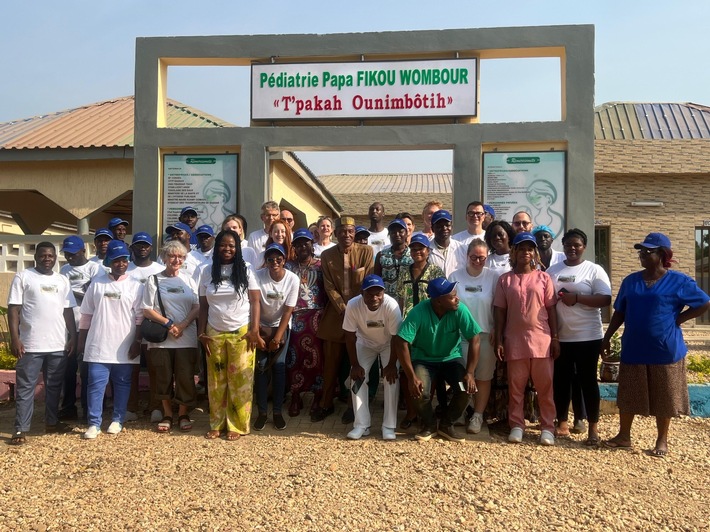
(61, 55)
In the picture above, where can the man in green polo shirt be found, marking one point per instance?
(428, 348)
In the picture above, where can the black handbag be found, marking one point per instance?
(153, 331)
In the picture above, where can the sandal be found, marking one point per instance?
(18, 438)
(212, 434)
(166, 424)
(658, 453)
(233, 436)
(592, 440)
(185, 423)
(614, 443)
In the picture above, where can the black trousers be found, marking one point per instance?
(580, 358)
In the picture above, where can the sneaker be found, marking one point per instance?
(114, 428)
(547, 438)
(131, 416)
(388, 434)
(424, 435)
(460, 422)
(516, 435)
(580, 427)
(450, 433)
(91, 433)
(260, 422)
(156, 416)
(357, 433)
(474, 426)
(279, 422)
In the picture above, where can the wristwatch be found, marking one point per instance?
(169, 323)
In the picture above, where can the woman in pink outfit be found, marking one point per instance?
(526, 335)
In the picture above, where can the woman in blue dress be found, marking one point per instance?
(652, 378)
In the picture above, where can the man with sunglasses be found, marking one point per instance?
(475, 214)
(522, 222)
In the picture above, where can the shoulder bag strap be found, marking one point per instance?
(160, 299)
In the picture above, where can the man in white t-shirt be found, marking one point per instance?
(101, 239)
(79, 270)
(205, 245)
(40, 318)
(379, 235)
(141, 268)
(371, 320)
(475, 214)
(446, 253)
(429, 209)
(269, 214)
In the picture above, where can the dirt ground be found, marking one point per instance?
(309, 477)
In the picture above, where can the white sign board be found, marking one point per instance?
(206, 182)
(363, 90)
(527, 181)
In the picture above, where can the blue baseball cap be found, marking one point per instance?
(73, 244)
(204, 230)
(188, 209)
(178, 226)
(362, 229)
(113, 222)
(654, 240)
(439, 287)
(372, 281)
(274, 246)
(490, 210)
(142, 237)
(545, 228)
(441, 214)
(395, 222)
(103, 232)
(303, 233)
(116, 250)
(524, 237)
(420, 238)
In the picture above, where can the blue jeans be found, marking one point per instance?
(99, 375)
(26, 374)
(451, 372)
(278, 381)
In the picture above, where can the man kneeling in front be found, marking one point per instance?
(428, 348)
(371, 320)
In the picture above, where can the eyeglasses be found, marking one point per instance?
(477, 214)
(288, 219)
(647, 251)
(521, 223)
(477, 259)
(275, 260)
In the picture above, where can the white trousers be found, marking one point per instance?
(366, 357)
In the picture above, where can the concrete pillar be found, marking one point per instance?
(82, 226)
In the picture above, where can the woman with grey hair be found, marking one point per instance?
(175, 359)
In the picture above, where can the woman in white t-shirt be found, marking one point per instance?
(476, 288)
(238, 224)
(583, 288)
(325, 231)
(109, 337)
(278, 290)
(175, 359)
(228, 328)
(499, 237)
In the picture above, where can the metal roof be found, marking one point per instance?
(388, 183)
(651, 121)
(103, 124)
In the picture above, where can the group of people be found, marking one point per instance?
(284, 311)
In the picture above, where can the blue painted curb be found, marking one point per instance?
(699, 397)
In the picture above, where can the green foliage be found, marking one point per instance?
(615, 345)
(698, 364)
(7, 359)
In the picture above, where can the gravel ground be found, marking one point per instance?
(310, 477)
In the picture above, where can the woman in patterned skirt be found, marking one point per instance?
(304, 359)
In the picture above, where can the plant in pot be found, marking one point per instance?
(609, 367)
